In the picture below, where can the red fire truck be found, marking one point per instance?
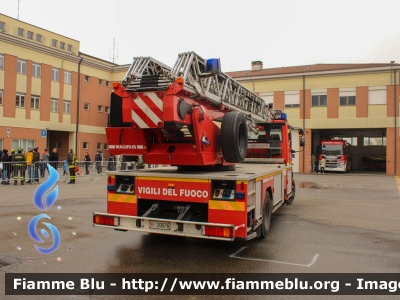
(337, 154)
(230, 153)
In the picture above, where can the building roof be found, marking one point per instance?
(306, 69)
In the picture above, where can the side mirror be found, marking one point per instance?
(293, 155)
(301, 131)
(302, 141)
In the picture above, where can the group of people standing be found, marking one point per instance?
(318, 166)
(34, 165)
(20, 163)
(98, 160)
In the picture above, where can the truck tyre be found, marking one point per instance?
(234, 137)
(290, 200)
(267, 212)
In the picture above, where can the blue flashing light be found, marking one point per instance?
(240, 195)
(110, 188)
(213, 65)
(283, 116)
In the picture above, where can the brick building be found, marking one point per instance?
(51, 94)
(355, 102)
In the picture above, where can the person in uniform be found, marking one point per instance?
(71, 166)
(19, 166)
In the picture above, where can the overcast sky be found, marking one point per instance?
(279, 33)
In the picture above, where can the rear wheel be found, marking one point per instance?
(234, 137)
(267, 213)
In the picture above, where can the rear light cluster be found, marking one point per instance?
(218, 231)
(105, 220)
(111, 183)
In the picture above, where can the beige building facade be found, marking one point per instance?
(54, 96)
(51, 94)
(355, 102)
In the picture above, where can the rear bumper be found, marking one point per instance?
(176, 227)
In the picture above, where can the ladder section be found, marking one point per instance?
(147, 73)
(218, 88)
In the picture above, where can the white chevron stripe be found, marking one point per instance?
(157, 101)
(150, 114)
(138, 120)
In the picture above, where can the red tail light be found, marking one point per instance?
(105, 220)
(218, 231)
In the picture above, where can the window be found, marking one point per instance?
(36, 69)
(101, 81)
(38, 37)
(347, 96)
(292, 99)
(54, 105)
(35, 102)
(318, 100)
(67, 77)
(267, 97)
(351, 140)
(1, 99)
(24, 144)
(99, 146)
(374, 141)
(62, 45)
(85, 145)
(66, 107)
(1, 61)
(54, 43)
(58, 145)
(377, 95)
(105, 146)
(348, 100)
(107, 83)
(20, 100)
(20, 32)
(2, 27)
(21, 66)
(70, 48)
(100, 108)
(87, 78)
(55, 74)
(107, 110)
(29, 35)
(86, 106)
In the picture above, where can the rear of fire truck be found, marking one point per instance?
(229, 153)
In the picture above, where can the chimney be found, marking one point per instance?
(256, 65)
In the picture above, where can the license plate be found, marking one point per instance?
(160, 225)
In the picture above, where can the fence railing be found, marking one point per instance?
(10, 171)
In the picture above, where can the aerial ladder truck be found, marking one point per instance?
(230, 153)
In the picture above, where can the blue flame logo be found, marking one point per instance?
(45, 202)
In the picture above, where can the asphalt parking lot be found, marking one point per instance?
(337, 224)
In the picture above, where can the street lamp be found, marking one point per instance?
(248, 73)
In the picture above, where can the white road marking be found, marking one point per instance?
(314, 259)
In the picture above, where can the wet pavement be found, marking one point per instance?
(336, 224)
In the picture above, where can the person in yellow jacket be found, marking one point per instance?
(71, 166)
(29, 164)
